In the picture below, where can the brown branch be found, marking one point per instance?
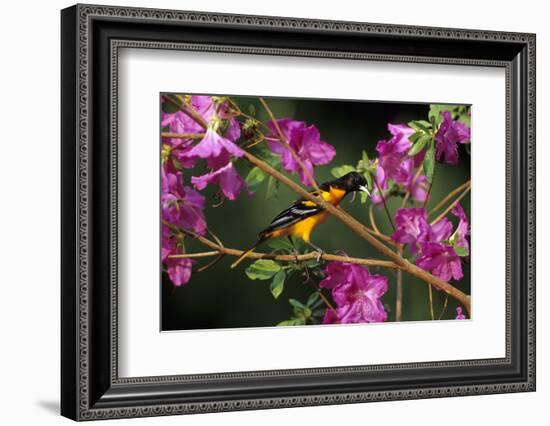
(182, 135)
(363, 232)
(431, 301)
(279, 257)
(449, 196)
(399, 292)
(451, 206)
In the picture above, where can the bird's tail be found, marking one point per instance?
(247, 252)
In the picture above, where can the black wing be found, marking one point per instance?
(297, 211)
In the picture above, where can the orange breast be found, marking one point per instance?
(304, 228)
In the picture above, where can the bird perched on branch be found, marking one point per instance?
(302, 216)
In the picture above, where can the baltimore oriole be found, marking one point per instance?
(302, 216)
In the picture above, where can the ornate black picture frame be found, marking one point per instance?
(91, 387)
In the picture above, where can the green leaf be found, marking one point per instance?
(296, 303)
(255, 177)
(461, 251)
(280, 244)
(311, 263)
(419, 146)
(368, 177)
(251, 110)
(340, 171)
(429, 162)
(278, 283)
(435, 113)
(272, 187)
(365, 158)
(453, 239)
(421, 125)
(415, 136)
(262, 269)
(313, 297)
(289, 322)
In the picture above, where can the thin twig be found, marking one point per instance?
(320, 293)
(384, 203)
(431, 300)
(182, 135)
(451, 206)
(399, 292)
(449, 196)
(287, 257)
(444, 307)
(372, 221)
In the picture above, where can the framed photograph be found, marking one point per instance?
(263, 212)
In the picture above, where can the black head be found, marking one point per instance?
(350, 182)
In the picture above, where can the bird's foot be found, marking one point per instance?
(320, 254)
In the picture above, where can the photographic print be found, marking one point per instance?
(295, 212)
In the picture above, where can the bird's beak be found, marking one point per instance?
(364, 189)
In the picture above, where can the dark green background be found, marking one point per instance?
(222, 297)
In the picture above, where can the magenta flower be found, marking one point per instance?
(449, 134)
(459, 314)
(166, 244)
(412, 227)
(356, 292)
(226, 177)
(179, 122)
(417, 188)
(179, 270)
(440, 230)
(181, 205)
(393, 160)
(441, 261)
(306, 142)
(394, 163)
(463, 224)
(215, 149)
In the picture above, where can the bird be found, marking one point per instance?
(301, 217)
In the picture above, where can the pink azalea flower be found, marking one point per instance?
(215, 149)
(394, 163)
(182, 205)
(412, 227)
(441, 261)
(179, 270)
(459, 314)
(440, 230)
(463, 224)
(179, 122)
(356, 292)
(306, 143)
(449, 134)
(230, 182)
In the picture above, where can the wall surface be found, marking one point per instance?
(29, 225)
